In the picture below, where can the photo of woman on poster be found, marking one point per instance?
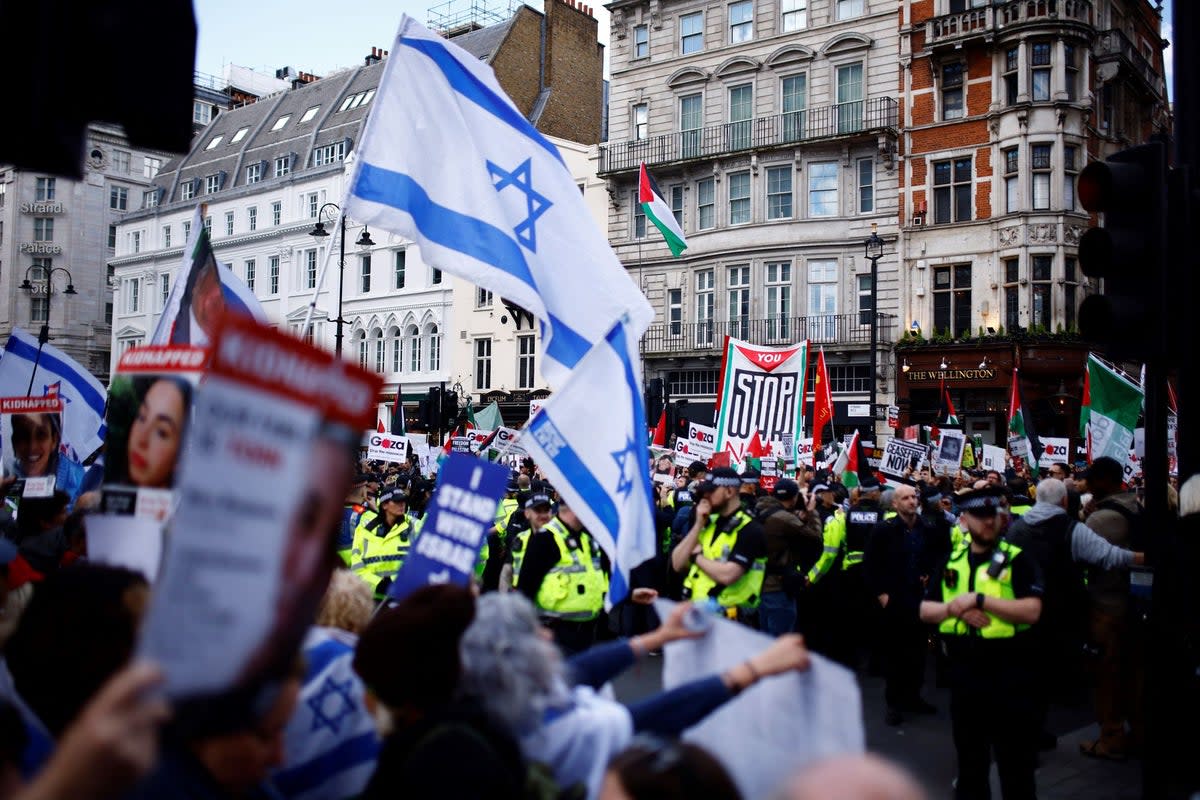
(35, 451)
(147, 421)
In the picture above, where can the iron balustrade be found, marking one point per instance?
(870, 116)
(700, 337)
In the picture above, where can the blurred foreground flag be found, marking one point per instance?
(83, 396)
(594, 453)
(448, 161)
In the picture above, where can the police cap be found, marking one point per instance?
(395, 494)
(725, 476)
(984, 502)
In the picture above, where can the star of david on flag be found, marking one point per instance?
(535, 204)
(448, 161)
(591, 455)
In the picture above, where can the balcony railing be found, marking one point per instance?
(959, 25)
(1115, 45)
(701, 337)
(1016, 12)
(823, 122)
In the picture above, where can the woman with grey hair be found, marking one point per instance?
(512, 668)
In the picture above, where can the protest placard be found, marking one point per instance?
(460, 512)
(261, 485)
(149, 415)
(814, 714)
(902, 458)
(698, 446)
(31, 429)
(761, 390)
(386, 447)
(993, 458)
(1054, 451)
(949, 453)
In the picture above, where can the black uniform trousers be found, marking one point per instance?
(994, 714)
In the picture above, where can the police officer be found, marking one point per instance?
(382, 541)
(749, 490)
(817, 602)
(352, 513)
(537, 512)
(565, 574)
(725, 551)
(987, 597)
(854, 611)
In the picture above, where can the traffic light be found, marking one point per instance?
(431, 410)
(654, 400)
(1130, 316)
(677, 420)
(449, 409)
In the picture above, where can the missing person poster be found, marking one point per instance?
(275, 432)
(149, 415)
(460, 512)
(762, 389)
(31, 432)
(949, 453)
(148, 418)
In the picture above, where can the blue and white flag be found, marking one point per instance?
(449, 162)
(84, 397)
(202, 290)
(330, 743)
(590, 440)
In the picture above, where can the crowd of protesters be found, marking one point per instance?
(497, 691)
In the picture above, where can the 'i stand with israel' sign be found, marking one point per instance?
(460, 512)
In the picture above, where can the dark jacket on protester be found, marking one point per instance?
(899, 559)
(455, 754)
(792, 543)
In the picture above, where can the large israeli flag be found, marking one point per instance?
(448, 161)
(84, 397)
(590, 439)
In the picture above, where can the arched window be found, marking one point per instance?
(361, 338)
(394, 338)
(435, 348)
(377, 338)
(414, 349)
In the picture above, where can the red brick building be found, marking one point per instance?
(1003, 103)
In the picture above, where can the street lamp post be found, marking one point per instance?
(363, 241)
(44, 333)
(874, 251)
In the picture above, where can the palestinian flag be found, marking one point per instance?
(659, 212)
(1114, 404)
(397, 414)
(847, 464)
(947, 416)
(659, 439)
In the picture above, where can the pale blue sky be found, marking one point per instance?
(314, 35)
(318, 36)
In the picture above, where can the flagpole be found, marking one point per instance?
(43, 337)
